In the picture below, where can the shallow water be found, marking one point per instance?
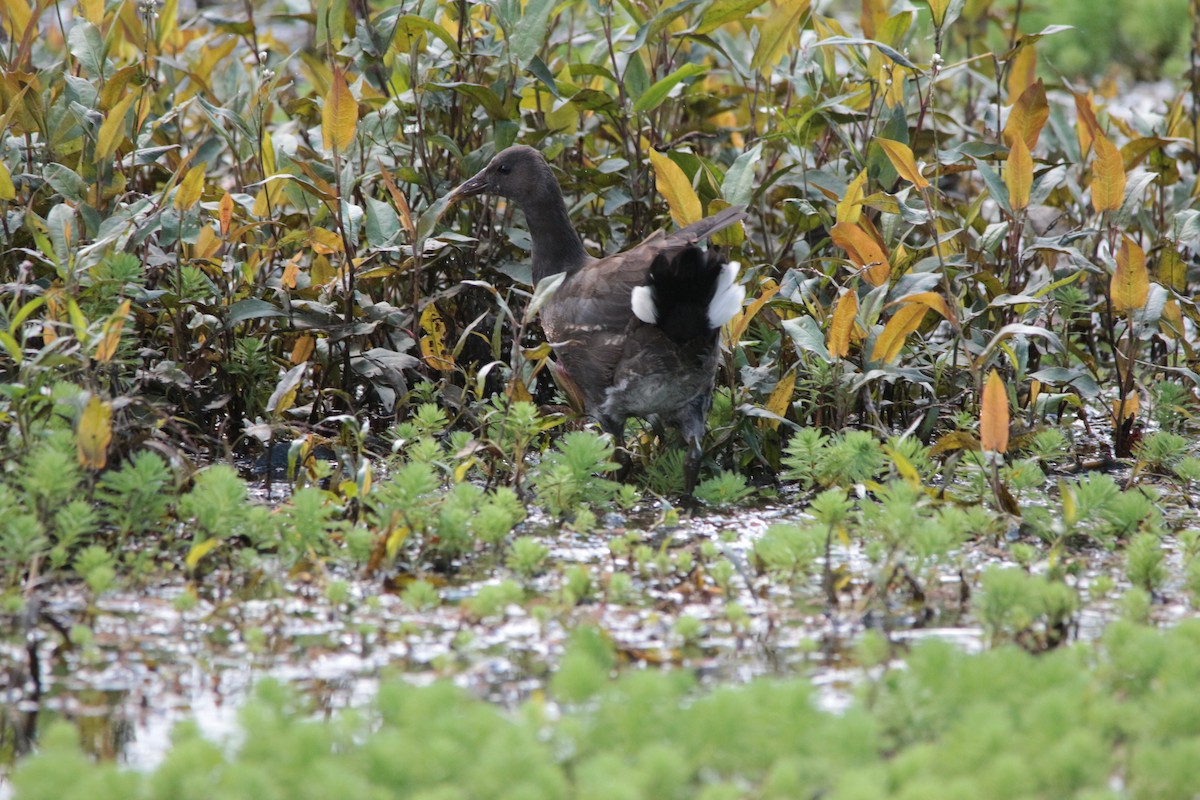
(152, 662)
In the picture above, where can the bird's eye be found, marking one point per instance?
(503, 169)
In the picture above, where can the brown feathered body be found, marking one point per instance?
(620, 365)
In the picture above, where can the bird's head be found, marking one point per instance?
(518, 173)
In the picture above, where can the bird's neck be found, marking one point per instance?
(556, 245)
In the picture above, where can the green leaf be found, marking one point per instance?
(87, 46)
(995, 185)
(723, 12)
(490, 101)
(66, 182)
(530, 32)
(60, 222)
(738, 186)
(890, 52)
(382, 223)
(807, 335)
(252, 308)
(653, 97)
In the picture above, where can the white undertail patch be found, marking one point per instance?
(727, 300)
(642, 301)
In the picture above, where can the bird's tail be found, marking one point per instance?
(689, 293)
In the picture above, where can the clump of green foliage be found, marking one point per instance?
(996, 724)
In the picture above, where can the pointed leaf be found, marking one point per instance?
(1028, 116)
(993, 415)
(225, 213)
(1018, 175)
(94, 434)
(110, 337)
(1108, 176)
(7, 190)
(433, 340)
(653, 97)
(112, 130)
(1130, 284)
(904, 322)
(190, 188)
(842, 325)
(339, 115)
(863, 251)
(673, 185)
(780, 399)
(849, 208)
(903, 162)
(779, 33)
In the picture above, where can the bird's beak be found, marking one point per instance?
(470, 187)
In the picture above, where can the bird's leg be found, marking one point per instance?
(691, 464)
(615, 428)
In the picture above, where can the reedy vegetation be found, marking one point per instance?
(213, 240)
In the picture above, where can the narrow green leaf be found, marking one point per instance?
(738, 186)
(657, 93)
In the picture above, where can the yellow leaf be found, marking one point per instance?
(94, 433)
(199, 551)
(902, 159)
(737, 326)
(902, 323)
(842, 325)
(937, 11)
(779, 33)
(93, 11)
(993, 415)
(955, 440)
(110, 337)
(112, 130)
(1108, 176)
(339, 115)
(1127, 409)
(781, 398)
(1028, 116)
(1130, 284)
(863, 251)
(7, 190)
(324, 241)
(1172, 269)
(1171, 323)
(1022, 72)
(190, 188)
(17, 15)
(673, 185)
(1018, 175)
(849, 208)
(225, 213)
(433, 342)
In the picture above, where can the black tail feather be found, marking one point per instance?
(682, 288)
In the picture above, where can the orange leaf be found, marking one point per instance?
(902, 323)
(225, 213)
(94, 433)
(1108, 176)
(339, 115)
(1018, 175)
(401, 202)
(1130, 284)
(1087, 127)
(1027, 116)
(863, 251)
(902, 159)
(931, 299)
(781, 398)
(303, 348)
(842, 325)
(993, 415)
(110, 337)
(737, 326)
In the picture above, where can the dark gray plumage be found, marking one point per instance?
(637, 334)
